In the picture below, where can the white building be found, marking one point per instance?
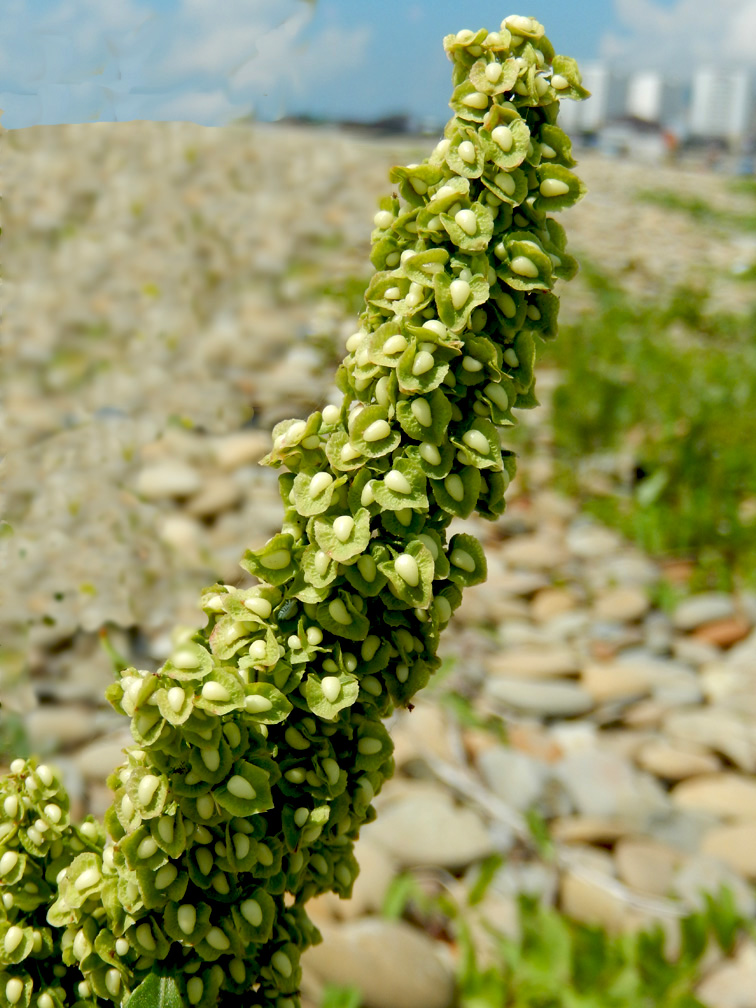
(655, 99)
(607, 102)
(722, 105)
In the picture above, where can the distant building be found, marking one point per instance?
(722, 105)
(607, 102)
(653, 98)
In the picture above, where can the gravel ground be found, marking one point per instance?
(165, 307)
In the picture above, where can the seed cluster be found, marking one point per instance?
(260, 743)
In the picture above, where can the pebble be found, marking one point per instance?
(534, 662)
(616, 681)
(219, 493)
(725, 732)
(676, 762)
(603, 785)
(621, 605)
(171, 478)
(589, 541)
(735, 845)
(424, 826)
(551, 602)
(707, 607)
(241, 449)
(725, 794)
(513, 776)
(723, 633)
(731, 983)
(548, 699)
(647, 865)
(392, 964)
(534, 552)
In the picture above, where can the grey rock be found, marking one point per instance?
(515, 777)
(549, 699)
(704, 608)
(392, 964)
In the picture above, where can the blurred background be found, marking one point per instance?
(189, 193)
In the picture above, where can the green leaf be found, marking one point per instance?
(156, 992)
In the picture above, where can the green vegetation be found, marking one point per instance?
(675, 387)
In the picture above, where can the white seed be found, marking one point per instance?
(455, 487)
(294, 642)
(18, 766)
(145, 937)
(8, 862)
(148, 785)
(502, 135)
(533, 313)
(493, 72)
(241, 846)
(277, 560)
(497, 395)
(321, 562)
(194, 990)
(216, 939)
(331, 414)
(211, 759)
(467, 220)
(464, 36)
(13, 938)
(462, 559)
(127, 806)
(281, 963)
(367, 497)
(547, 152)
(367, 567)
(84, 989)
(256, 704)
(89, 877)
(349, 453)
(392, 259)
(404, 516)
(394, 344)
(165, 876)
(45, 774)
(8, 897)
(241, 788)
(421, 412)
(232, 733)
(507, 304)
(14, 990)
(369, 647)
(460, 292)
(471, 364)
(331, 688)
(476, 100)
(257, 650)
(339, 613)
(423, 362)
(392, 293)
(559, 82)
(319, 483)
(176, 698)
(369, 746)
(122, 947)
(187, 918)
(311, 442)
(407, 569)
(165, 829)
(523, 266)
(402, 673)
(205, 806)
(430, 453)
(314, 635)
(477, 440)
(383, 219)
(541, 85)
(371, 685)
(251, 911)
(510, 357)
(505, 182)
(343, 526)
(10, 807)
(147, 848)
(215, 692)
(397, 482)
(553, 187)
(467, 151)
(435, 326)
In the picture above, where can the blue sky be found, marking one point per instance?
(209, 61)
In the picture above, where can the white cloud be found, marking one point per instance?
(682, 34)
(204, 61)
